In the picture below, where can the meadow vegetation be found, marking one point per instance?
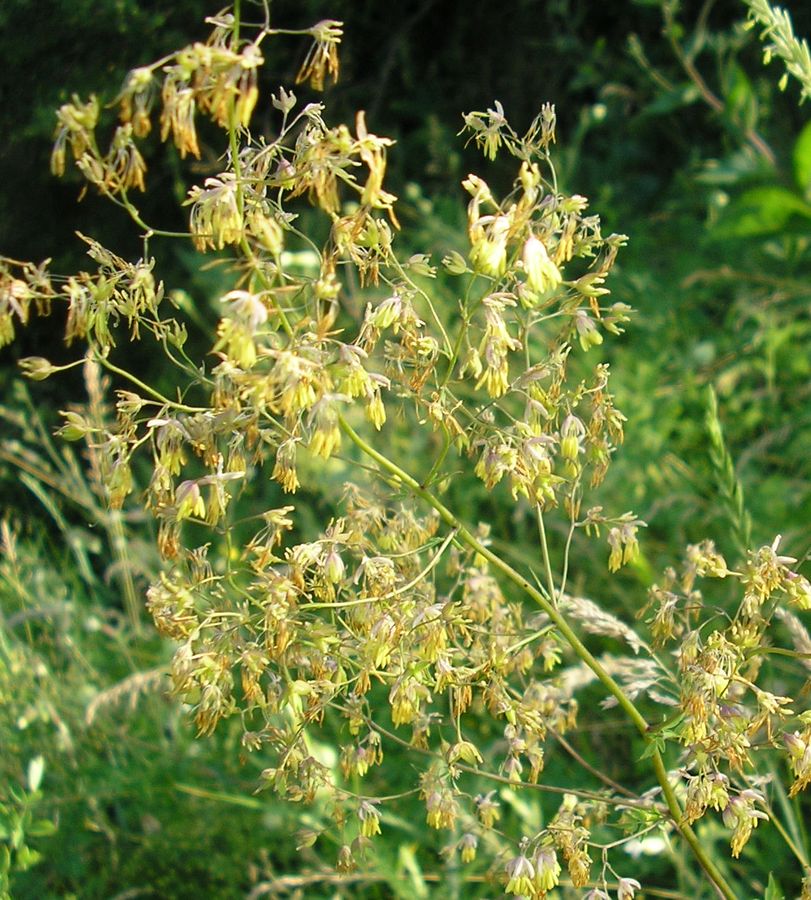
(447, 542)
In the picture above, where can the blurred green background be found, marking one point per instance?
(681, 138)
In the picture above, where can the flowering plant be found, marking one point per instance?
(397, 623)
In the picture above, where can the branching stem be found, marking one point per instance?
(180, 407)
(465, 536)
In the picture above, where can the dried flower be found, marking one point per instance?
(798, 745)
(322, 57)
(740, 815)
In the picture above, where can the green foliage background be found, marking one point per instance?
(718, 267)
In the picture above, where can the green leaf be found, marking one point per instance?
(773, 889)
(41, 828)
(802, 161)
(740, 98)
(668, 101)
(761, 211)
(657, 742)
(26, 858)
(222, 797)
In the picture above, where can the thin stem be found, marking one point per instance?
(529, 639)
(566, 552)
(432, 563)
(126, 204)
(468, 538)
(712, 100)
(457, 348)
(503, 779)
(550, 581)
(404, 275)
(246, 249)
(686, 831)
(237, 22)
(465, 536)
(233, 146)
(429, 479)
(180, 407)
(787, 838)
(614, 785)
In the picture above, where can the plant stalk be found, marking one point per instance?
(465, 536)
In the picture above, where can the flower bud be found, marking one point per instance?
(420, 263)
(75, 428)
(37, 368)
(455, 263)
(334, 567)
(284, 102)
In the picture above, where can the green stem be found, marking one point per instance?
(237, 23)
(404, 275)
(233, 146)
(180, 407)
(132, 211)
(465, 536)
(246, 249)
(440, 459)
(797, 851)
(553, 594)
(457, 349)
(686, 831)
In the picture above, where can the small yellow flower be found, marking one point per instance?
(489, 251)
(468, 845)
(587, 332)
(487, 809)
(547, 869)
(369, 819)
(189, 501)
(375, 409)
(465, 751)
(520, 877)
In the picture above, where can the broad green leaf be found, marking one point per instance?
(41, 828)
(640, 564)
(761, 211)
(733, 169)
(529, 813)
(802, 161)
(221, 797)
